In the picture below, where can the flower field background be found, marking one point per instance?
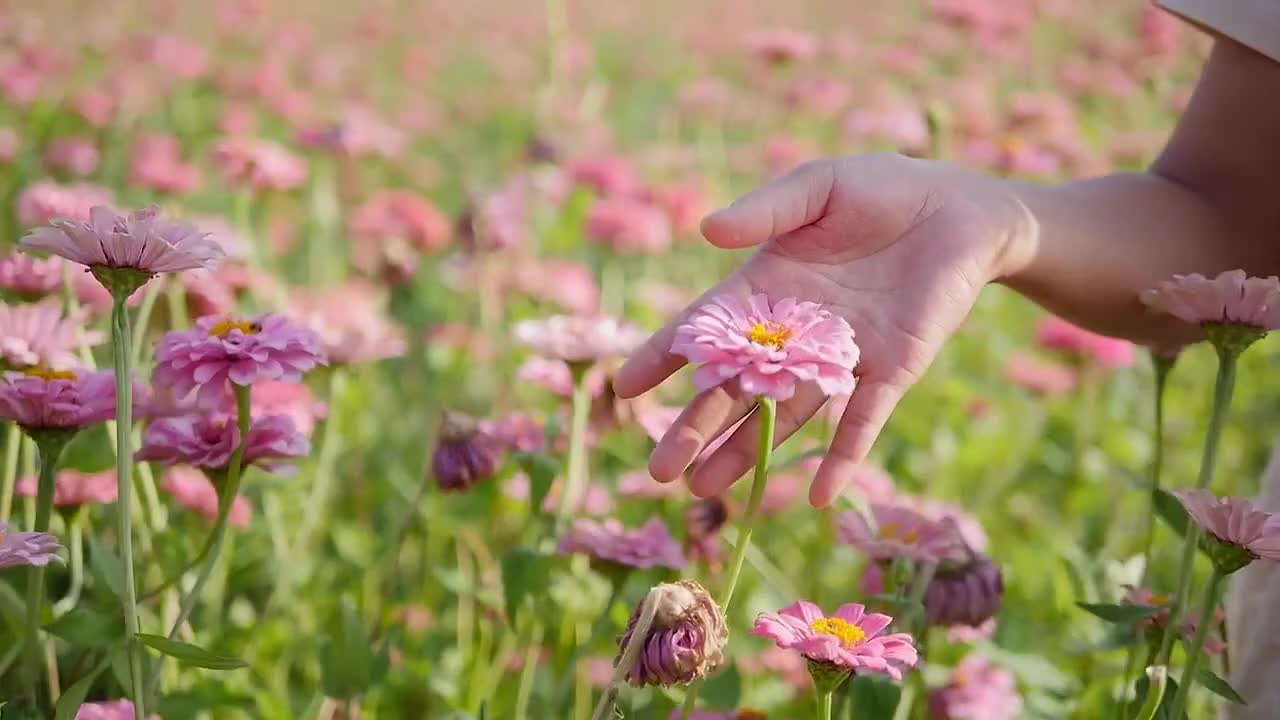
(411, 189)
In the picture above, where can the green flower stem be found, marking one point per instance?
(229, 490)
(1194, 651)
(527, 671)
(144, 318)
(317, 502)
(51, 445)
(76, 542)
(1223, 388)
(576, 470)
(824, 706)
(905, 701)
(122, 356)
(768, 411)
(12, 443)
(1155, 693)
(175, 296)
(648, 609)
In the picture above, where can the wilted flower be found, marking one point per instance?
(578, 339)
(42, 399)
(977, 690)
(193, 490)
(351, 323)
(899, 532)
(1236, 533)
(30, 278)
(965, 592)
(849, 640)
(1231, 298)
(36, 334)
(72, 488)
(26, 548)
(769, 349)
(46, 201)
(650, 545)
(466, 453)
(1058, 334)
(243, 352)
(685, 641)
(259, 164)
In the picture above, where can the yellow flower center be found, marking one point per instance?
(848, 634)
(1158, 600)
(45, 373)
(769, 333)
(1013, 145)
(224, 327)
(893, 531)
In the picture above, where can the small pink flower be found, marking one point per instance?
(393, 227)
(969, 634)
(36, 334)
(569, 284)
(40, 399)
(1058, 334)
(216, 351)
(628, 226)
(292, 400)
(46, 201)
(77, 156)
(1039, 377)
(30, 278)
(96, 105)
(156, 163)
(578, 339)
(848, 639)
(72, 488)
(192, 490)
(768, 348)
(351, 322)
(260, 164)
(1231, 298)
(901, 125)
(608, 175)
(27, 548)
(1234, 521)
(650, 545)
(1156, 623)
(782, 46)
(553, 375)
(977, 690)
(638, 484)
(209, 439)
(359, 132)
(899, 532)
(518, 432)
(141, 241)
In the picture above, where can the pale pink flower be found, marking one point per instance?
(768, 348)
(72, 488)
(392, 228)
(176, 55)
(969, 634)
(217, 350)
(192, 490)
(684, 204)
(1234, 521)
(900, 125)
(628, 226)
(292, 400)
(518, 431)
(34, 334)
(1155, 624)
(1231, 298)
(781, 46)
(650, 545)
(899, 532)
(553, 375)
(141, 241)
(578, 338)
(1013, 156)
(848, 639)
(39, 399)
(1038, 376)
(27, 548)
(595, 501)
(97, 105)
(259, 164)
(156, 163)
(569, 284)
(822, 95)
(29, 277)
(45, 201)
(977, 690)
(76, 155)
(359, 132)
(965, 523)
(782, 152)
(351, 322)
(1058, 334)
(208, 440)
(606, 174)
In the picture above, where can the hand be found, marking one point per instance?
(899, 247)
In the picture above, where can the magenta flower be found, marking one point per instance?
(112, 710)
(243, 352)
(578, 339)
(1058, 334)
(36, 334)
(141, 241)
(40, 399)
(969, 592)
(850, 639)
(1242, 532)
(73, 489)
(259, 164)
(769, 349)
(1231, 298)
(46, 201)
(209, 439)
(650, 545)
(27, 548)
(192, 489)
(977, 690)
(685, 642)
(30, 278)
(900, 532)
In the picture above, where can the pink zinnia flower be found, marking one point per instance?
(977, 690)
(359, 132)
(157, 163)
(518, 432)
(72, 488)
(899, 532)
(243, 352)
(782, 46)
(628, 226)
(578, 339)
(1038, 376)
(46, 201)
(73, 155)
(141, 241)
(27, 548)
(209, 439)
(569, 284)
(351, 323)
(606, 174)
(1155, 624)
(392, 229)
(28, 277)
(848, 639)
(40, 399)
(36, 334)
(1058, 334)
(1243, 532)
(769, 349)
(553, 375)
(192, 490)
(594, 502)
(1231, 298)
(260, 164)
(650, 545)
(292, 400)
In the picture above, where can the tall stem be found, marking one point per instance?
(576, 470)
(318, 502)
(1221, 404)
(824, 705)
(527, 671)
(631, 652)
(122, 357)
(75, 542)
(12, 442)
(768, 411)
(1194, 652)
(50, 449)
(226, 498)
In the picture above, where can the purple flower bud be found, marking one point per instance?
(464, 455)
(704, 518)
(964, 593)
(685, 642)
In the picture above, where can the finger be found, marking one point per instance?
(709, 415)
(781, 206)
(739, 453)
(868, 410)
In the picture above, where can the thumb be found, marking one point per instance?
(776, 208)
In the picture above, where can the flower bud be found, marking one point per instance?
(964, 593)
(464, 454)
(704, 518)
(685, 642)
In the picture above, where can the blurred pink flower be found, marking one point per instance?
(351, 322)
(639, 484)
(965, 523)
(578, 338)
(216, 351)
(899, 532)
(650, 545)
(459, 338)
(969, 634)
(823, 95)
(45, 201)
(665, 298)
(27, 548)
(97, 105)
(391, 229)
(292, 400)
(359, 132)
(553, 375)
(595, 500)
(73, 488)
(1231, 298)
(176, 55)
(140, 241)
(36, 334)
(977, 690)
(208, 440)
(519, 432)
(567, 283)
(1234, 521)
(607, 175)
(1038, 376)
(628, 226)
(1013, 156)
(75, 155)
(260, 164)
(1159, 30)
(192, 490)
(781, 46)
(684, 204)
(848, 639)
(156, 163)
(901, 125)
(1155, 624)
(782, 152)
(28, 277)
(769, 348)
(1058, 334)
(39, 399)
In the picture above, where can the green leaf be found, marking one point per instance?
(1219, 687)
(349, 663)
(1119, 614)
(525, 574)
(189, 654)
(203, 698)
(723, 690)
(71, 699)
(87, 628)
(1170, 511)
(542, 470)
(12, 608)
(871, 696)
(106, 566)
